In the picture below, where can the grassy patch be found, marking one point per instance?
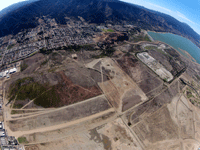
(108, 30)
(150, 47)
(23, 66)
(33, 53)
(26, 88)
(22, 140)
(17, 106)
(146, 38)
(14, 112)
(88, 47)
(52, 70)
(48, 99)
(189, 95)
(197, 77)
(141, 38)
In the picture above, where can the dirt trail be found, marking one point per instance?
(60, 126)
(54, 110)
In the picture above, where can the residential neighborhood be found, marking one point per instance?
(48, 35)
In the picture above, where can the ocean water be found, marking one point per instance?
(177, 42)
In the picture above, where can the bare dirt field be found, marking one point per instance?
(61, 115)
(142, 75)
(112, 135)
(119, 84)
(137, 110)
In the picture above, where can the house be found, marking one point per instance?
(4, 74)
(74, 56)
(2, 133)
(7, 71)
(1, 125)
(13, 70)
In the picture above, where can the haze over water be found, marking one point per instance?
(177, 42)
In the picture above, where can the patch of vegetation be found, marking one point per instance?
(23, 66)
(52, 70)
(106, 53)
(22, 140)
(141, 38)
(165, 80)
(88, 47)
(189, 95)
(48, 99)
(25, 88)
(45, 51)
(14, 112)
(108, 30)
(33, 53)
(146, 38)
(17, 106)
(197, 77)
(151, 47)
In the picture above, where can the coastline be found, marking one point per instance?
(183, 51)
(169, 33)
(188, 55)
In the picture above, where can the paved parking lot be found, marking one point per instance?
(3, 141)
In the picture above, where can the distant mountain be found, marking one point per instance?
(93, 11)
(15, 6)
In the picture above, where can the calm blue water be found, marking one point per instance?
(177, 42)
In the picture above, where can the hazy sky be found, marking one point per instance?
(6, 3)
(187, 11)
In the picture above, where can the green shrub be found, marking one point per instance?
(146, 38)
(22, 140)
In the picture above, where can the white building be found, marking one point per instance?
(13, 70)
(2, 133)
(4, 74)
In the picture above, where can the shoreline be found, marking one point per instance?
(188, 55)
(169, 33)
(173, 34)
(175, 48)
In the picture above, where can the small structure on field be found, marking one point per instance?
(74, 56)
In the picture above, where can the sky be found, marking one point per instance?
(6, 3)
(187, 11)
